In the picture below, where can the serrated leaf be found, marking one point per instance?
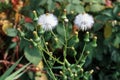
(33, 54)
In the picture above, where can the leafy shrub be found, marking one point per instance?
(62, 39)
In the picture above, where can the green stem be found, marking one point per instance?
(65, 47)
(50, 55)
(49, 67)
(81, 54)
(56, 37)
(48, 52)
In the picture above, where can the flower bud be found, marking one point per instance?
(87, 52)
(86, 39)
(94, 42)
(72, 12)
(35, 44)
(81, 69)
(35, 16)
(21, 33)
(66, 20)
(46, 43)
(64, 15)
(114, 23)
(40, 29)
(67, 63)
(56, 39)
(91, 71)
(75, 74)
(37, 38)
(61, 72)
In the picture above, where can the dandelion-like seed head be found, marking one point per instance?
(84, 21)
(48, 21)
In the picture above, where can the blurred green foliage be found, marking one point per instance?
(104, 59)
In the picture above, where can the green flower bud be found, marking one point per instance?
(56, 39)
(35, 16)
(65, 77)
(21, 33)
(86, 39)
(74, 53)
(66, 20)
(37, 38)
(81, 69)
(40, 29)
(34, 43)
(75, 74)
(91, 71)
(61, 72)
(94, 42)
(76, 35)
(71, 74)
(67, 63)
(72, 12)
(46, 43)
(64, 15)
(114, 22)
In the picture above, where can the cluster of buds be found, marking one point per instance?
(87, 39)
(64, 17)
(73, 71)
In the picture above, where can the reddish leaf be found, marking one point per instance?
(27, 19)
(14, 2)
(108, 3)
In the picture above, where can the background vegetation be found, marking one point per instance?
(18, 41)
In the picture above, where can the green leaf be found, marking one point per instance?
(12, 45)
(9, 71)
(77, 8)
(29, 26)
(108, 13)
(42, 2)
(74, 40)
(12, 32)
(51, 5)
(60, 30)
(33, 54)
(115, 56)
(116, 11)
(75, 1)
(116, 41)
(17, 74)
(96, 7)
(94, 1)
